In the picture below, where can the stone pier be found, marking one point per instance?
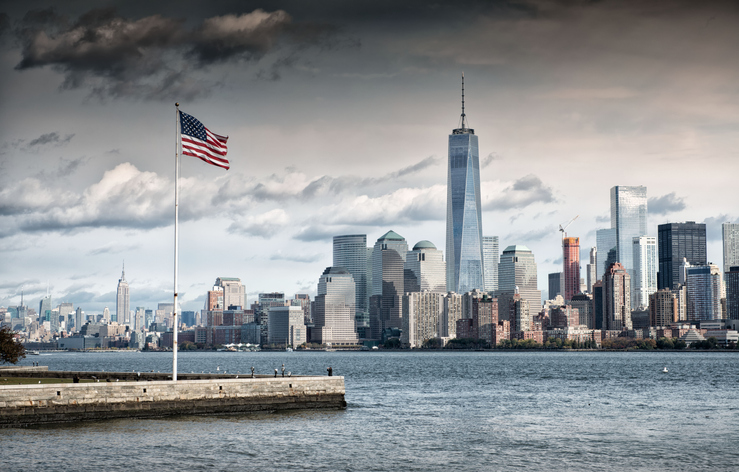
(26, 405)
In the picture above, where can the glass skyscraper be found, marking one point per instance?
(605, 240)
(730, 237)
(629, 219)
(644, 282)
(678, 241)
(350, 252)
(517, 271)
(491, 256)
(464, 269)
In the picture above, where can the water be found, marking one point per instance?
(423, 411)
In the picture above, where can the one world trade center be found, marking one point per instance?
(464, 266)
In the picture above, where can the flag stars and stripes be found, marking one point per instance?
(198, 141)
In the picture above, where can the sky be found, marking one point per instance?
(338, 116)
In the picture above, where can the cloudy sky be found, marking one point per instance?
(338, 115)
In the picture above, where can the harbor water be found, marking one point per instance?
(422, 411)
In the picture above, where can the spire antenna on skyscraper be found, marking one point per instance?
(463, 115)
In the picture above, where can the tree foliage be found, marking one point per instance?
(11, 350)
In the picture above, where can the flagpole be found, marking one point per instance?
(176, 236)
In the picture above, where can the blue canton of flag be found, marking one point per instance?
(198, 141)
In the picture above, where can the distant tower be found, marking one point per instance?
(730, 236)
(234, 292)
(123, 300)
(425, 270)
(732, 293)
(605, 240)
(644, 282)
(616, 298)
(571, 247)
(704, 292)
(350, 252)
(388, 263)
(518, 269)
(491, 257)
(334, 315)
(591, 269)
(677, 241)
(464, 268)
(629, 219)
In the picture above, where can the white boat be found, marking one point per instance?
(665, 370)
(288, 349)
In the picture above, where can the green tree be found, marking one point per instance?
(11, 350)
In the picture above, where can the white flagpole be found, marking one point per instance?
(175, 324)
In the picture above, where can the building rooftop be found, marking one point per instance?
(392, 235)
(517, 248)
(424, 245)
(335, 271)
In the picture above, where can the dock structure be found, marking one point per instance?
(130, 395)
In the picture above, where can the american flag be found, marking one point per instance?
(198, 141)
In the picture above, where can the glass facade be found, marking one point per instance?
(677, 241)
(704, 292)
(629, 219)
(491, 256)
(334, 315)
(350, 252)
(645, 270)
(464, 214)
(388, 264)
(517, 269)
(605, 240)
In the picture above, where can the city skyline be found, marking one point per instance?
(337, 125)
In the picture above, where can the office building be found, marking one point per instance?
(388, 264)
(678, 241)
(464, 211)
(571, 273)
(555, 285)
(704, 292)
(584, 305)
(286, 326)
(664, 308)
(425, 270)
(605, 240)
(730, 237)
(517, 269)
(122, 300)
(422, 317)
(732, 293)
(644, 281)
(592, 272)
(616, 298)
(490, 257)
(629, 219)
(334, 317)
(234, 293)
(350, 252)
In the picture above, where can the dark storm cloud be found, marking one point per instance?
(150, 57)
(4, 24)
(665, 204)
(525, 191)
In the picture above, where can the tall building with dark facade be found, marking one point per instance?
(464, 268)
(555, 285)
(571, 255)
(732, 293)
(676, 241)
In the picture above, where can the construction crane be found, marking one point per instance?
(563, 228)
(564, 235)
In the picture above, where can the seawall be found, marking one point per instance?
(26, 405)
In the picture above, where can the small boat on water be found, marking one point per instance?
(664, 371)
(288, 349)
(34, 353)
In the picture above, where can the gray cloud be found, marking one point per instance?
(665, 204)
(113, 247)
(305, 258)
(153, 56)
(602, 219)
(525, 191)
(489, 159)
(313, 233)
(51, 138)
(713, 226)
(65, 168)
